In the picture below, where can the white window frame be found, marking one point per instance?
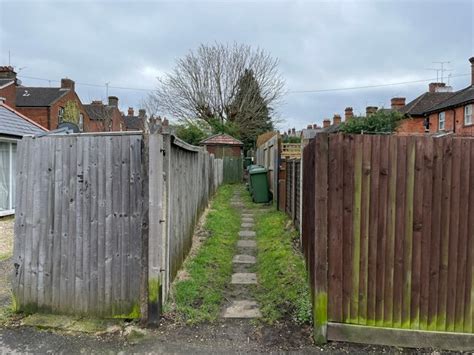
(81, 122)
(442, 121)
(61, 115)
(468, 115)
(11, 210)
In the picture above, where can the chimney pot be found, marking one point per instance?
(397, 103)
(130, 111)
(67, 84)
(336, 119)
(96, 102)
(370, 110)
(348, 113)
(326, 123)
(113, 101)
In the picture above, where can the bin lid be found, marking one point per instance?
(253, 166)
(258, 170)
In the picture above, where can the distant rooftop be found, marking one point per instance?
(221, 139)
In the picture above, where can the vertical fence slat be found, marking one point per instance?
(417, 228)
(348, 205)
(438, 163)
(445, 229)
(93, 300)
(382, 211)
(408, 235)
(356, 230)
(373, 223)
(427, 181)
(453, 255)
(463, 245)
(364, 226)
(391, 226)
(335, 222)
(469, 310)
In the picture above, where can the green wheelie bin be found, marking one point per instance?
(259, 185)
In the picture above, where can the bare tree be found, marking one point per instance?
(205, 84)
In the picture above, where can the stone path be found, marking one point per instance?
(241, 303)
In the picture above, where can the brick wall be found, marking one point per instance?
(411, 126)
(39, 115)
(9, 93)
(454, 122)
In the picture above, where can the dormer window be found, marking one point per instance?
(468, 115)
(441, 121)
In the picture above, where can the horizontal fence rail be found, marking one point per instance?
(388, 233)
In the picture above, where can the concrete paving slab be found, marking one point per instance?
(242, 309)
(244, 278)
(247, 243)
(247, 225)
(248, 215)
(247, 234)
(244, 259)
(247, 220)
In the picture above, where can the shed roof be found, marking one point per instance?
(38, 97)
(13, 123)
(221, 139)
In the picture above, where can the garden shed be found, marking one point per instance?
(223, 145)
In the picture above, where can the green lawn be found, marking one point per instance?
(200, 297)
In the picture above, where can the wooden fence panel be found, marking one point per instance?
(233, 170)
(398, 233)
(62, 205)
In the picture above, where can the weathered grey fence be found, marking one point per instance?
(233, 169)
(293, 191)
(103, 221)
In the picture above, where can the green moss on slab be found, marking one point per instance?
(48, 321)
(134, 313)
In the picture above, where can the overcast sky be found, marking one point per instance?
(320, 45)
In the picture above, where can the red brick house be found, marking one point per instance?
(455, 114)
(104, 117)
(223, 145)
(414, 111)
(44, 105)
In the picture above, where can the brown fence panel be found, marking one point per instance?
(398, 233)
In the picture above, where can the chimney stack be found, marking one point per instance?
(326, 123)
(7, 72)
(293, 131)
(472, 70)
(130, 111)
(397, 103)
(67, 84)
(370, 110)
(434, 87)
(309, 126)
(96, 102)
(336, 119)
(142, 113)
(315, 126)
(113, 101)
(348, 114)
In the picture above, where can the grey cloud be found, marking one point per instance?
(320, 44)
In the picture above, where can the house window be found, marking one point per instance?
(441, 121)
(81, 122)
(7, 177)
(61, 114)
(468, 115)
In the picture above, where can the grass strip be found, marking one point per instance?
(283, 291)
(199, 297)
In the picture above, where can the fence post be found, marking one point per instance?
(155, 231)
(145, 230)
(320, 311)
